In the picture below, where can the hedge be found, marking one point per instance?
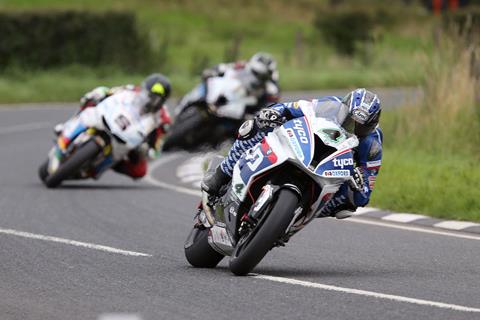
(49, 39)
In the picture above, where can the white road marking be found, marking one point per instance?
(455, 225)
(412, 228)
(72, 243)
(373, 294)
(119, 316)
(361, 210)
(403, 217)
(192, 178)
(25, 127)
(149, 178)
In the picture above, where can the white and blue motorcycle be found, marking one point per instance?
(98, 138)
(277, 188)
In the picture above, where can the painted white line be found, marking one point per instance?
(119, 316)
(364, 210)
(25, 127)
(455, 225)
(373, 294)
(412, 228)
(72, 243)
(192, 178)
(190, 167)
(403, 217)
(150, 179)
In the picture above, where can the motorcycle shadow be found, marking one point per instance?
(309, 272)
(338, 272)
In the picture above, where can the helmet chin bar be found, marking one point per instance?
(154, 104)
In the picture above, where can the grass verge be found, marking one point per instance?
(420, 182)
(432, 150)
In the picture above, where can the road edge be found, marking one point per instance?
(193, 167)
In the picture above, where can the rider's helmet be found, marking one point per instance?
(262, 65)
(158, 88)
(364, 109)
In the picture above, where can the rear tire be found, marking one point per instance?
(252, 247)
(183, 134)
(199, 253)
(67, 169)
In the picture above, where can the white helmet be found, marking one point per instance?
(262, 65)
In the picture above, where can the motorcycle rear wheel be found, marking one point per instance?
(184, 132)
(252, 247)
(67, 169)
(198, 252)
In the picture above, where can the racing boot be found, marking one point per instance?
(213, 182)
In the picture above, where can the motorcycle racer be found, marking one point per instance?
(358, 113)
(259, 75)
(146, 100)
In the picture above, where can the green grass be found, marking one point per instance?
(70, 83)
(443, 186)
(432, 149)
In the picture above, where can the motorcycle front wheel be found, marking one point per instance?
(252, 247)
(67, 169)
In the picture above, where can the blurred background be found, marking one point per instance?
(56, 50)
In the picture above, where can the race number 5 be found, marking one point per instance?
(122, 122)
(254, 158)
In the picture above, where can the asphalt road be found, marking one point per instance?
(404, 274)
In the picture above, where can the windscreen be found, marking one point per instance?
(332, 110)
(335, 111)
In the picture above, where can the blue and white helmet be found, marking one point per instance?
(364, 106)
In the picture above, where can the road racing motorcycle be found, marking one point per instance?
(277, 188)
(213, 112)
(90, 151)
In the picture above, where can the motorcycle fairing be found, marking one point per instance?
(339, 164)
(300, 138)
(273, 151)
(122, 122)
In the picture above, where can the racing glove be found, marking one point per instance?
(358, 183)
(269, 118)
(94, 96)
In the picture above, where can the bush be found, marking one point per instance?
(51, 39)
(350, 27)
(345, 28)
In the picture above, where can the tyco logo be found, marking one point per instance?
(342, 162)
(301, 132)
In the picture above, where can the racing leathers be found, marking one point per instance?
(367, 155)
(265, 91)
(135, 162)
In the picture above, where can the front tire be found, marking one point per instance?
(252, 247)
(198, 252)
(43, 171)
(67, 169)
